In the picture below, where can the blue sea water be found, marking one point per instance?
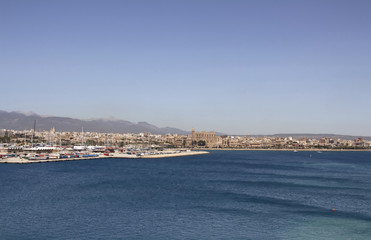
(222, 195)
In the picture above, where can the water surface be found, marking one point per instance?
(223, 195)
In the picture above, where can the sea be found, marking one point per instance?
(221, 195)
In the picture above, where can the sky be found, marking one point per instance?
(237, 67)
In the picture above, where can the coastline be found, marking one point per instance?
(169, 154)
(284, 149)
(19, 160)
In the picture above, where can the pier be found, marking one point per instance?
(163, 154)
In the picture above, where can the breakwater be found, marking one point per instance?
(165, 154)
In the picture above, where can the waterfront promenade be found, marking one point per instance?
(288, 149)
(164, 154)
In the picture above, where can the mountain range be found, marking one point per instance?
(22, 121)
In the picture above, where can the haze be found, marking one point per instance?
(238, 67)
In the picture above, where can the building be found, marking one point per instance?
(206, 139)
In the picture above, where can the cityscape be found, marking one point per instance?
(15, 139)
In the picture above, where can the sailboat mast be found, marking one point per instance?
(33, 133)
(82, 136)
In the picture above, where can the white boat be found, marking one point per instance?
(79, 148)
(54, 156)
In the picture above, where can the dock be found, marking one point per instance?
(20, 160)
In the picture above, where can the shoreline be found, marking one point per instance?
(169, 154)
(19, 160)
(285, 149)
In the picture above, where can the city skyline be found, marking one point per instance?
(121, 126)
(237, 67)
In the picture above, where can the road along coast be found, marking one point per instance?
(286, 149)
(162, 154)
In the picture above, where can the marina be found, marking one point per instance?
(40, 158)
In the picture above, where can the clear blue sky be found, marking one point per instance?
(238, 67)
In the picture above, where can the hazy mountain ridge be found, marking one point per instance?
(21, 121)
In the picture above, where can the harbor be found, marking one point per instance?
(52, 150)
(42, 158)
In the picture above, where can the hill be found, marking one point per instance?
(21, 121)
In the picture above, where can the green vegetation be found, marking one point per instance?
(5, 139)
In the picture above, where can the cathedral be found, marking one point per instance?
(206, 139)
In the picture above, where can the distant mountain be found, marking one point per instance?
(21, 121)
